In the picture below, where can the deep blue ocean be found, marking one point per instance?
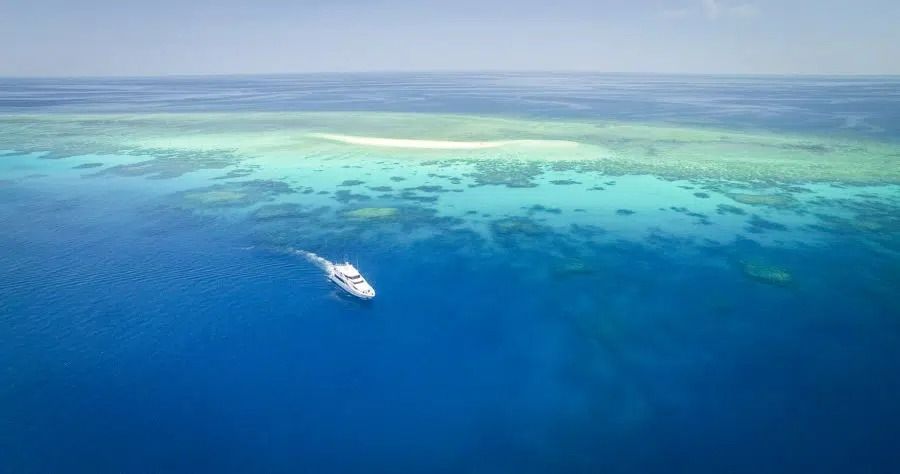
(141, 336)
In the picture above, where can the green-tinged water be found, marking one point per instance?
(609, 147)
(637, 179)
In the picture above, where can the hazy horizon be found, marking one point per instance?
(450, 71)
(53, 38)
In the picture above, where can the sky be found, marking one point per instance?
(162, 37)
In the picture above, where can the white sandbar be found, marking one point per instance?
(434, 144)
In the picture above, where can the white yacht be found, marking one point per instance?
(348, 277)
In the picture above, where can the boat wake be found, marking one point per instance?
(343, 275)
(323, 263)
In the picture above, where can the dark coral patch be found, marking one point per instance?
(233, 194)
(236, 173)
(504, 173)
(168, 164)
(345, 196)
(411, 196)
(541, 208)
(429, 189)
(271, 212)
(729, 209)
(758, 225)
(85, 166)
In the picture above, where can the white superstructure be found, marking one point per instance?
(348, 277)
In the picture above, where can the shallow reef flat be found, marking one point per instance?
(548, 187)
(176, 142)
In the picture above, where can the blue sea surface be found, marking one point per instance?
(852, 105)
(140, 336)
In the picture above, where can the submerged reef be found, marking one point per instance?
(541, 208)
(701, 218)
(512, 174)
(517, 226)
(766, 272)
(874, 220)
(371, 213)
(271, 212)
(237, 173)
(522, 232)
(234, 194)
(375, 225)
(209, 140)
(167, 164)
(586, 231)
(729, 209)
(85, 166)
(758, 225)
(411, 196)
(571, 268)
(429, 188)
(344, 196)
(772, 200)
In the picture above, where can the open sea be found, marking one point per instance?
(576, 273)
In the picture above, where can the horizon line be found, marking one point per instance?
(451, 72)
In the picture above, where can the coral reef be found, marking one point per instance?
(766, 273)
(772, 200)
(233, 194)
(371, 213)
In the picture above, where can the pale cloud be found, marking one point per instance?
(676, 13)
(711, 8)
(745, 10)
(714, 10)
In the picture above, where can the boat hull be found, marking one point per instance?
(352, 291)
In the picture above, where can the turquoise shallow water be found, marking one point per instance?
(706, 281)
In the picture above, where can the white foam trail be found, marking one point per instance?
(316, 260)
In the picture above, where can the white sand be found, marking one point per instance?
(434, 144)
